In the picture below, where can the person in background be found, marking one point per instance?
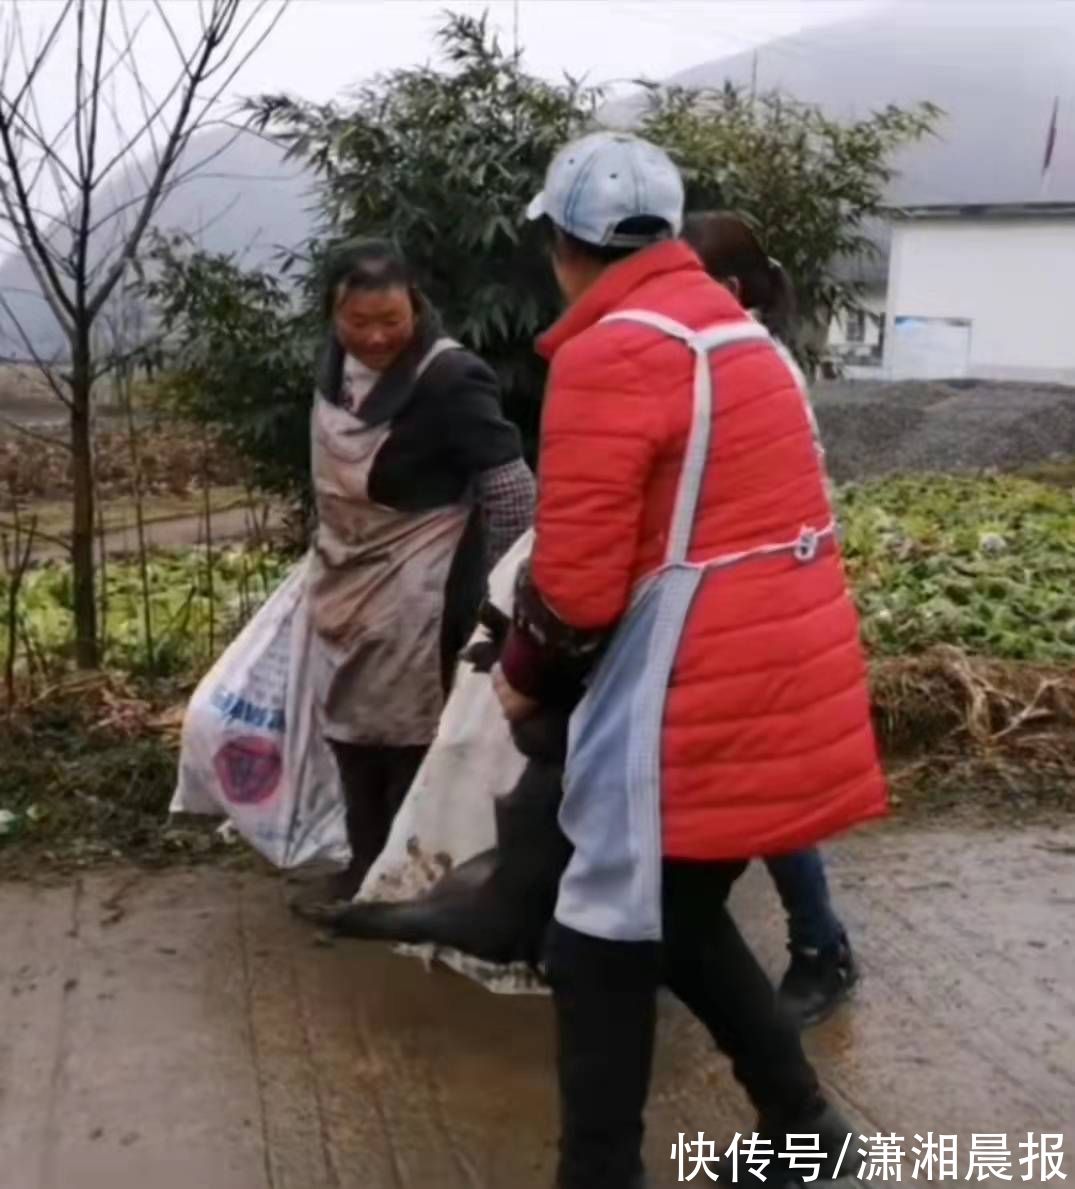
(420, 487)
(684, 546)
(822, 970)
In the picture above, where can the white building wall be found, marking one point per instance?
(1012, 279)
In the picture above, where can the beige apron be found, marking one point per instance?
(376, 593)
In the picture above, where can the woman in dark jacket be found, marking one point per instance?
(420, 487)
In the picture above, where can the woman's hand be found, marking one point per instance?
(516, 706)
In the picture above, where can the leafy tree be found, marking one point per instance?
(57, 175)
(445, 162)
(238, 355)
(814, 187)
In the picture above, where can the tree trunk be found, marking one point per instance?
(82, 523)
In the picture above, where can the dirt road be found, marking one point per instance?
(177, 1030)
(175, 533)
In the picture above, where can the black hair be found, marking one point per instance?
(648, 228)
(730, 249)
(365, 265)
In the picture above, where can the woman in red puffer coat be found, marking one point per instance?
(685, 540)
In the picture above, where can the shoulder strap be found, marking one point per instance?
(702, 343)
(438, 348)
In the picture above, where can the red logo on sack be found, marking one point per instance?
(249, 769)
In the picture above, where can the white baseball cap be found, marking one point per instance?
(597, 183)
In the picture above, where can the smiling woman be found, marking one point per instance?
(420, 488)
(375, 326)
(374, 307)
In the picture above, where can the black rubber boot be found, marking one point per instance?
(836, 1141)
(817, 982)
(836, 1152)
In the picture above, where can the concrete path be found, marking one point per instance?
(182, 1031)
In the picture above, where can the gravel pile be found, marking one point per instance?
(963, 425)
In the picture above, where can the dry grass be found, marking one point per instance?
(980, 733)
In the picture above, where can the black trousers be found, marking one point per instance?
(375, 781)
(605, 995)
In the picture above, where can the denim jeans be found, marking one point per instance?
(804, 892)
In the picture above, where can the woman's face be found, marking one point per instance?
(375, 325)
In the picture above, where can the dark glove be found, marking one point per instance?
(483, 654)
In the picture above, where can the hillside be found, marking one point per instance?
(245, 199)
(995, 69)
(996, 76)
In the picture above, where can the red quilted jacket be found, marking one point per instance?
(767, 741)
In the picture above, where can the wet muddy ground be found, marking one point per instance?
(173, 1030)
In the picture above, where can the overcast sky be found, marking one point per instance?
(321, 47)
(326, 45)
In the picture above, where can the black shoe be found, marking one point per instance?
(817, 982)
(835, 1160)
(333, 893)
(835, 1142)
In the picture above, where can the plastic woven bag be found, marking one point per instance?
(251, 749)
(448, 814)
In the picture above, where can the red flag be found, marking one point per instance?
(1050, 139)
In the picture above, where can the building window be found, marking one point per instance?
(856, 326)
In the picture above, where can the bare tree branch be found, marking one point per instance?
(26, 230)
(36, 252)
(136, 75)
(78, 253)
(112, 104)
(42, 54)
(21, 289)
(87, 160)
(224, 58)
(19, 208)
(122, 58)
(224, 12)
(95, 103)
(47, 216)
(49, 157)
(120, 359)
(44, 368)
(149, 119)
(5, 526)
(33, 435)
(180, 52)
(253, 49)
(194, 172)
(80, 102)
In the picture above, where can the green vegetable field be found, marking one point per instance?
(194, 608)
(965, 584)
(985, 564)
